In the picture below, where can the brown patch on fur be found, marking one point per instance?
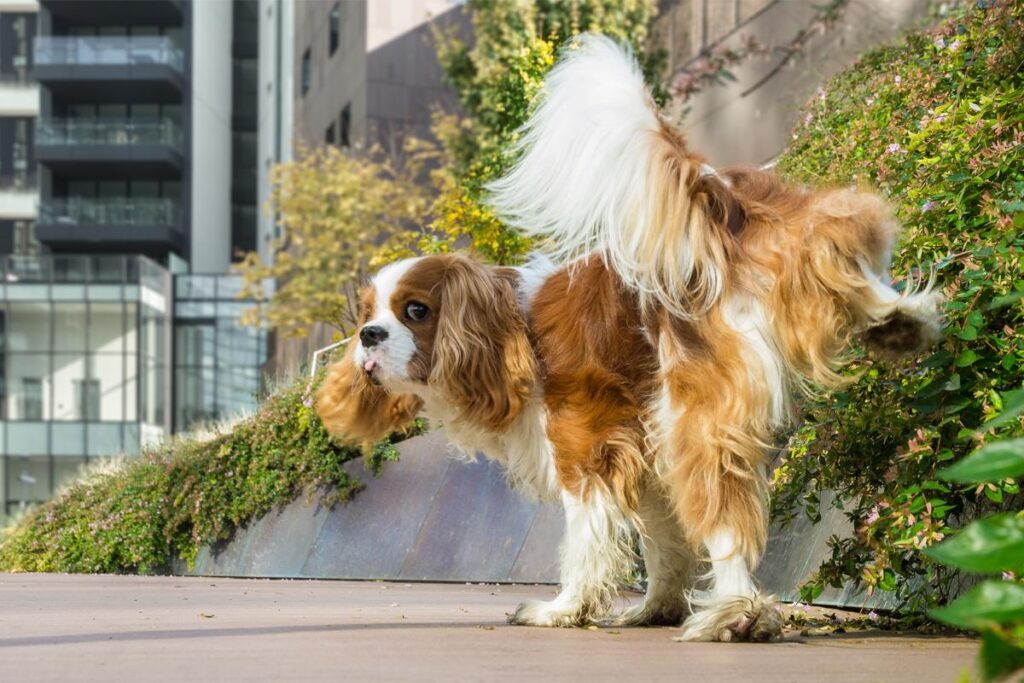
(600, 372)
(354, 409)
(482, 361)
(422, 284)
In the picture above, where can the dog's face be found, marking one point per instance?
(442, 329)
(398, 321)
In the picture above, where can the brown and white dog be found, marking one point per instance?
(643, 374)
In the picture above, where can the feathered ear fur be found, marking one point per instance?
(482, 363)
(355, 410)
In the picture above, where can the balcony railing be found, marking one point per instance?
(111, 132)
(107, 51)
(18, 182)
(111, 211)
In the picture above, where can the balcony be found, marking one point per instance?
(18, 196)
(19, 96)
(149, 147)
(116, 11)
(138, 66)
(147, 225)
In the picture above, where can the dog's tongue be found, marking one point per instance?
(369, 365)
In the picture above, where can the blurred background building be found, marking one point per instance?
(130, 176)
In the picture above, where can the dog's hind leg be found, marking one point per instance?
(733, 608)
(670, 562)
(595, 554)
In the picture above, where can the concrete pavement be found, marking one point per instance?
(126, 628)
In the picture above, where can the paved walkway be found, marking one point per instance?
(123, 628)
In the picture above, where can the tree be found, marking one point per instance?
(340, 216)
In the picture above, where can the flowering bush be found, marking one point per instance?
(497, 79)
(936, 122)
(183, 495)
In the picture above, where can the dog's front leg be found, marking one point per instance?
(595, 554)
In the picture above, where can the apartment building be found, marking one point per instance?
(136, 138)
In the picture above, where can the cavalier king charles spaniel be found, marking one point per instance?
(642, 371)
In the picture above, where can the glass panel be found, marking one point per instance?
(28, 326)
(29, 479)
(66, 471)
(104, 439)
(71, 397)
(108, 269)
(108, 383)
(131, 438)
(69, 326)
(28, 386)
(68, 438)
(106, 328)
(27, 438)
(131, 387)
(70, 268)
(113, 47)
(131, 332)
(195, 345)
(194, 397)
(68, 293)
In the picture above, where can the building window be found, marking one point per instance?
(87, 399)
(344, 126)
(307, 71)
(31, 398)
(329, 135)
(335, 28)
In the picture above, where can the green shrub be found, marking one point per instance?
(993, 545)
(183, 495)
(937, 123)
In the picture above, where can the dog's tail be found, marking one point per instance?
(600, 170)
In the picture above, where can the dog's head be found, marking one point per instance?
(442, 328)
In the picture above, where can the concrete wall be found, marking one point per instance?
(338, 79)
(732, 127)
(211, 136)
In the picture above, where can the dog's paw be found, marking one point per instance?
(657, 614)
(742, 619)
(553, 613)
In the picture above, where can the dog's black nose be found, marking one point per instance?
(371, 335)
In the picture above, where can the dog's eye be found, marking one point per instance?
(414, 310)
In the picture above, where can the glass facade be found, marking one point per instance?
(217, 360)
(82, 349)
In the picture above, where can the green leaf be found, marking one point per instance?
(992, 462)
(1013, 405)
(969, 333)
(966, 358)
(986, 605)
(987, 546)
(999, 658)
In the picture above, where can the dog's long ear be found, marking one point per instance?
(483, 362)
(355, 410)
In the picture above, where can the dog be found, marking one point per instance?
(642, 371)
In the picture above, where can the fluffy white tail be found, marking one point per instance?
(601, 171)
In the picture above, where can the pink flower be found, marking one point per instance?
(893, 148)
(940, 42)
(898, 80)
(927, 206)
(872, 516)
(954, 46)
(808, 118)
